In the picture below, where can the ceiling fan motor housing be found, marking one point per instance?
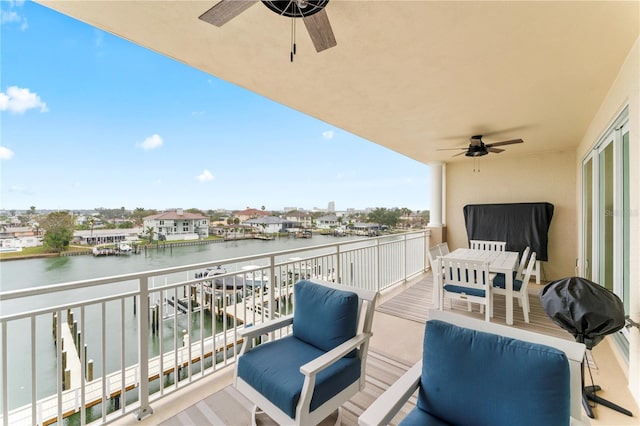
(476, 150)
(295, 8)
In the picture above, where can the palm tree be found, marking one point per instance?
(92, 222)
(150, 231)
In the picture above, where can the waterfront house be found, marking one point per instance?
(106, 236)
(20, 236)
(249, 213)
(270, 224)
(304, 219)
(327, 222)
(177, 225)
(421, 78)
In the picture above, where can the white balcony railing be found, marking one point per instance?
(139, 337)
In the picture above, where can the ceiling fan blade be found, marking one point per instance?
(320, 31)
(460, 153)
(450, 149)
(509, 142)
(225, 11)
(496, 150)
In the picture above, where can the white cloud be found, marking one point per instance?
(99, 38)
(8, 15)
(205, 176)
(328, 135)
(18, 100)
(5, 153)
(152, 142)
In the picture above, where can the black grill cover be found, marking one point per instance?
(519, 224)
(585, 309)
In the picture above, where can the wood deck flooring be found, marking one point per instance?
(414, 302)
(228, 407)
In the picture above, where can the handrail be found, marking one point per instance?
(255, 296)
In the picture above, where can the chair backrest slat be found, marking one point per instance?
(488, 245)
(464, 272)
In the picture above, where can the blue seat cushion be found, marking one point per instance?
(273, 369)
(499, 281)
(418, 417)
(475, 378)
(466, 290)
(324, 317)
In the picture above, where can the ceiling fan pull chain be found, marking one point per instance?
(293, 37)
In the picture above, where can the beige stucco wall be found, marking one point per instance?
(547, 177)
(625, 91)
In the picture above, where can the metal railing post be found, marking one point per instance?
(143, 350)
(338, 273)
(272, 284)
(379, 264)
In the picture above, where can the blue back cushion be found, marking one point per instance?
(475, 378)
(324, 317)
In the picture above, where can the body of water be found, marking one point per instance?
(119, 318)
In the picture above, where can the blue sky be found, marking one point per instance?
(90, 120)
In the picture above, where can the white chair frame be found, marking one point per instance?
(461, 272)
(366, 303)
(487, 245)
(523, 262)
(385, 407)
(521, 295)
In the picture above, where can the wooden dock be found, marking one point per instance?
(117, 382)
(241, 312)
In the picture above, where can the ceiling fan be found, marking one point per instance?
(312, 12)
(477, 148)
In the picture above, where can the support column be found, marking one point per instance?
(435, 212)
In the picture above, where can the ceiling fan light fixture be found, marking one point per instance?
(476, 151)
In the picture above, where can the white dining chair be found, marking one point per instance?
(444, 248)
(466, 280)
(487, 245)
(519, 288)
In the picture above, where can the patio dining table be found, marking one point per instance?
(499, 262)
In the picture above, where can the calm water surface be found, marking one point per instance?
(22, 274)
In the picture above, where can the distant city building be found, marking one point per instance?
(178, 225)
(332, 207)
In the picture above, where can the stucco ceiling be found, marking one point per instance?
(413, 76)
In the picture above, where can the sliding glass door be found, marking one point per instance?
(606, 212)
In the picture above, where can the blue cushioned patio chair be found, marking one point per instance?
(479, 373)
(306, 376)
